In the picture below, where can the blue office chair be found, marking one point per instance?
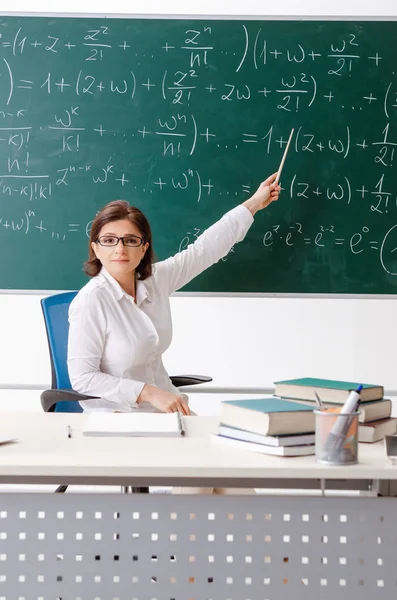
(61, 397)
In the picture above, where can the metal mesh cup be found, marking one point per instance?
(336, 438)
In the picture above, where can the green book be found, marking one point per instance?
(328, 390)
(268, 416)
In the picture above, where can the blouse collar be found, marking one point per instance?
(118, 292)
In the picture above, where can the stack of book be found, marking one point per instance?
(268, 425)
(375, 421)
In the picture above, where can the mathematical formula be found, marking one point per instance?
(108, 111)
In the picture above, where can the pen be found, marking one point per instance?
(181, 424)
(69, 431)
(336, 437)
(348, 407)
(346, 426)
(319, 402)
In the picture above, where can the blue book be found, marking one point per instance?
(268, 416)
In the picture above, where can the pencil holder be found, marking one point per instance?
(336, 438)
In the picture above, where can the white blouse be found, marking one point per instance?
(116, 345)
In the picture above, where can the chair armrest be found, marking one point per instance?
(50, 397)
(181, 380)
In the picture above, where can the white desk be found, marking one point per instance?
(144, 547)
(44, 454)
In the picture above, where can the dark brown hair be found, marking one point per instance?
(117, 211)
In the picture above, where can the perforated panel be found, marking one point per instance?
(151, 547)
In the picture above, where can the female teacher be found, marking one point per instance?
(120, 321)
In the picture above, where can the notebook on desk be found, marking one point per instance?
(134, 425)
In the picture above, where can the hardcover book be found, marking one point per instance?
(303, 450)
(270, 416)
(329, 390)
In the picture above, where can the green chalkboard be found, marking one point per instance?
(184, 118)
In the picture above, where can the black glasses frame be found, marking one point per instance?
(142, 241)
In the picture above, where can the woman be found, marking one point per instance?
(120, 322)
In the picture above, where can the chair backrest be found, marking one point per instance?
(55, 310)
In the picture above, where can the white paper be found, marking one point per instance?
(133, 424)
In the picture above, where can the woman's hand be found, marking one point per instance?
(267, 192)
(164, 401)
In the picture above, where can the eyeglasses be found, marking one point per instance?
(130, 241)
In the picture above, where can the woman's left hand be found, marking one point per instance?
(267, 192)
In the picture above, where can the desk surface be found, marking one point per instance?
(44, 454)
